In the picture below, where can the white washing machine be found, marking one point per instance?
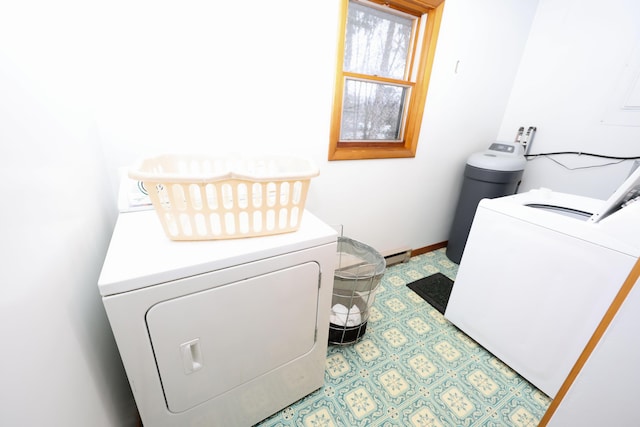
(218, 333)
(539, 271)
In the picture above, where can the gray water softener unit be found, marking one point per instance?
(492, 173)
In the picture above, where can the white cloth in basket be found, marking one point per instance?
(342, 316)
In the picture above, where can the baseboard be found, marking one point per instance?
(401, 255)
(425, 249)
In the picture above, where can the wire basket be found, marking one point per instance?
(208, 198)
(358, 272)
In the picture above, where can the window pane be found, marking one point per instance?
(377, 42)
(372, 111)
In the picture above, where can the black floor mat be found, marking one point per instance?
(434, 289)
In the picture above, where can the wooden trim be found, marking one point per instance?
(334, 134)
(412, 7)
(359, 153)
(608, 317)
(378, 79)
(430, 248)
(419, 97)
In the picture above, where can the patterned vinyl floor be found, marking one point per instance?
(414, 368)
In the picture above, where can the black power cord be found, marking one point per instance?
(580, 153)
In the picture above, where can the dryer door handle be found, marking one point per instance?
(191, 356)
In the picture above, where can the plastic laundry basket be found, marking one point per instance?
(205, 198)
(357, 275)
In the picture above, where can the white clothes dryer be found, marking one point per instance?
(538, 273)
(218, 333)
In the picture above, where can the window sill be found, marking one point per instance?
(361, 153)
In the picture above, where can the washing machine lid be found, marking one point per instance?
(628, 192)
(141, 255)
(561, 210)
(550, 210)
(555, 202)
(579, 206)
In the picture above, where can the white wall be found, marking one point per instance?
(571, 72)
(59, 365)
(189, 80)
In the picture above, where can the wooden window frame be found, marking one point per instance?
(423, 54)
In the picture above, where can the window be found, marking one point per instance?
(385, 54)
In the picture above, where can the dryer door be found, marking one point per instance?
(211, 341)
